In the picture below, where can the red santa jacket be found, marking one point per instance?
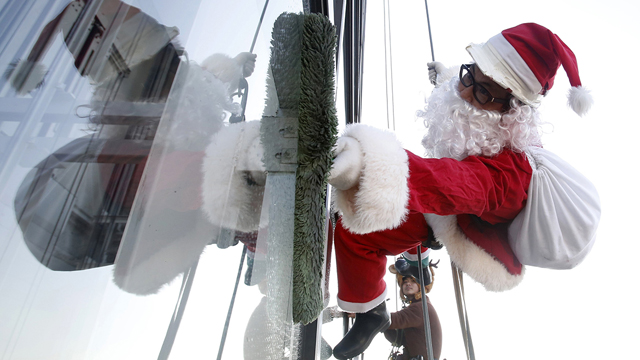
(468, 204)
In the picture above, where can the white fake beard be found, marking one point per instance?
(457, 129)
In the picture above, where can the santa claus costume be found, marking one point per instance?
(487, 190)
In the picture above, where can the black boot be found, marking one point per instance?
(365, 328)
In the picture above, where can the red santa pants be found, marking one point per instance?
(361, 260)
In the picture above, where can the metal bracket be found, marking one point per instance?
(280, 141)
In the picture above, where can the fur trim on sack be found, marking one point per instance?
(380, 200)
(470, 258)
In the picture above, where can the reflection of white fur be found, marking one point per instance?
(199, 102)
(143, 37)
(379, 201)
(469, 257)
(151, 264)
(234, 177)
(224, 68)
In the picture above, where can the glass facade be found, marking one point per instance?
(132, 182)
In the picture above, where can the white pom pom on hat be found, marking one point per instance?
(525, 59)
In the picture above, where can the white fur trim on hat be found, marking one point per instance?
(380, 199)
(469, 257)
(500, 61)
(580, 100)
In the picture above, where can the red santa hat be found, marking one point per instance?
(524, 59)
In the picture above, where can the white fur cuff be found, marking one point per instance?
(469, 257)
(379, 201)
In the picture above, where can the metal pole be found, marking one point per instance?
(425, 308)
(174, 325)
(264, 9)
(233, 299)
(462, 311)
(433, 57)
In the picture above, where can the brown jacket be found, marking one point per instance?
(410, 321)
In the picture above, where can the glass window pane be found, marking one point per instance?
(119, 123)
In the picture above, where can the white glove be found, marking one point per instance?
(247, 62)
(435, 68)
(347, 164)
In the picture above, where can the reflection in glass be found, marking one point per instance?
(105, 125)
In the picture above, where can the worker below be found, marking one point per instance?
(407, 325)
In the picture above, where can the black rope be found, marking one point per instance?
(233, 299)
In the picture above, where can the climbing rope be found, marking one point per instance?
(425, 308)
(174, 325)
(255, 36)
(388, 66)
(233, 299)
(426, 6)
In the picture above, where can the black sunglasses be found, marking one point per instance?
(481, 94)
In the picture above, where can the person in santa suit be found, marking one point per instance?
(407, 325)
(486, 189)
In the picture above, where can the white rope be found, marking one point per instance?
(388, 66)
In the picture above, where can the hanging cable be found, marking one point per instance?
(253, 43)
(233, 299)
(388, 66)
(425, 308)
(426, 6)
(174, 325)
